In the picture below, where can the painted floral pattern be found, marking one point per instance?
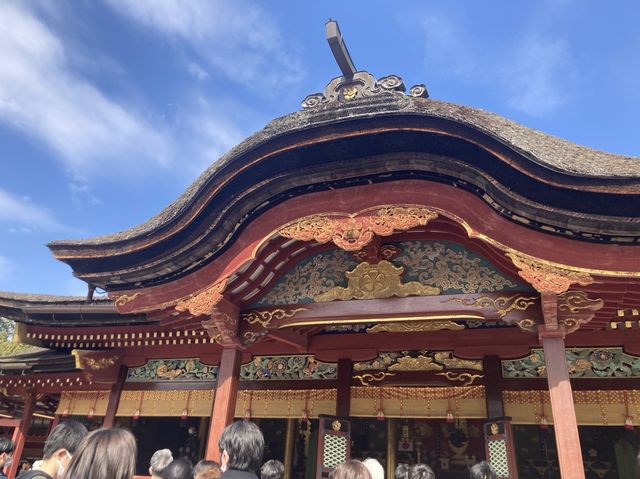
(173, 369)
(288, 368)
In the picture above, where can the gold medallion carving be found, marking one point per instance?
(502, 305)
(546, 277)
(415, 326)
(336, 425)
(452, 362)
(352, 232)
(376, 281)
(204, 303)
(418, 363)
(264, 318)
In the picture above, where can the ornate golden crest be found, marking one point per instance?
(203, 303)
(415, 326)
(123, 299)
(419, 363)
(264, 318)
(353, 232)
(547, 277)
(494, 428)
(375, 281)
(336, 425)
(502, 305)
(350, 92)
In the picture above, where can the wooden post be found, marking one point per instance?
(289, 445)
(224, 402)
(392, 443)
(565, 423)
(21, 434)
(343, 396)
(492, 368)
(114, 398)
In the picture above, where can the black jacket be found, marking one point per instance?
(237, 474)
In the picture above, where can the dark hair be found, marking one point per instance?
(352, 469)
(66, 435)
(179, 469)
(207, 470)
(6, 445)
(402, 471)
(421, 471)
(244, 443)
(104, 454)
(482, 470)
(272, 469)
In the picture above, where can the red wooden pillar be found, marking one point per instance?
(21, 434)
(114, 398)
(224, 402)
(565, 423)
(343, 396)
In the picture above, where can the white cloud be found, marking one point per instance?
(197, 71)
(41, 96)
(239, 38)
(539, 76)
(534, 73)
(24, 216)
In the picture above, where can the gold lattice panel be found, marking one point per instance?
(335, 450)
(498, 457)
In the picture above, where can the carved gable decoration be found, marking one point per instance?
(427, 266)
(159, 370)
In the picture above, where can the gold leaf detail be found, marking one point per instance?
(367, 378)
(352, 232)
(419, 363)
(452, 362)
(465, 378)
(502, 305)
(528, 325)
(376, 281)
(203, 303)
(546, 277)
(264, 318)
(415, 326)
(123, 299)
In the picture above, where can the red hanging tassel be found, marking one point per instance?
(543, 422)
(380, 415)
(65, 413)
(92, 413)
(628, 423)
(449, 416)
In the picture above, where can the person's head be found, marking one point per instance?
(104, 454)
(375, 468)
(160, 459)
(482, 470)
(6, 451)
(352, 469)
(402, 471)
(421, 471)
(207, 470)
(62, 444)
(179, 469)
(241, 445)
(272, 470)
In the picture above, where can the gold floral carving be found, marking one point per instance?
(465, 378)
(367, 378)
(415, 326)
(352, 232)
(123, 299)
(528, 325)
(83, 361)
(579, 304)
(502, 305)
(419, 363)
(264, 318)
(251, 337)
(376, 281)
(451, 362)
(546, 277)
(203, 303)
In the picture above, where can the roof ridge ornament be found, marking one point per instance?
(355, 84)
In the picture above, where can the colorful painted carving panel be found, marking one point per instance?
(582, 363)
(173, 370)
(287, 368)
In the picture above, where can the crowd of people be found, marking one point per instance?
(71, 452)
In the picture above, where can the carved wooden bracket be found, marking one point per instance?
(547, 277)
(222, 324)
(566, 312)
(99, 366)
(204, 303)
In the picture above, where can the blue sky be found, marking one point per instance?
(109, 109)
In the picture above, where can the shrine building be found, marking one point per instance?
(379, 274)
